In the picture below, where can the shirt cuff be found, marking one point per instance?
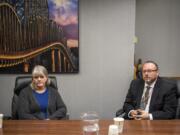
(129, 116)
(150, 116)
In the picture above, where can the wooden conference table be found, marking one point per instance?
(73, 127)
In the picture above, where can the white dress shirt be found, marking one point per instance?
(150, 94)
(149, 99)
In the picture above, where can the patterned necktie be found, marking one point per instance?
(145, 98)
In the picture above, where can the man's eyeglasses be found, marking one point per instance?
(149, 71)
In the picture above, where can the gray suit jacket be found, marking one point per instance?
(28, 107)
(163, 102)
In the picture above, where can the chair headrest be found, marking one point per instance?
(177, 82)
(23, 81)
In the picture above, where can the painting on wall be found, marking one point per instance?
(39, 32)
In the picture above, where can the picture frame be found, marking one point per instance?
(36, 32)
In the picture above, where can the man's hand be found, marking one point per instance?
(133, 113)
(142, 115)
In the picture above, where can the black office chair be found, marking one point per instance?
(20, 83)
(178, 97)
(121, 112)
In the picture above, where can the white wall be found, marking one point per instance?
(106, 60)
(158, 30)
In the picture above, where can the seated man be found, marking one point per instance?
(151, 97)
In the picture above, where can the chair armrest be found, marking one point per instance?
(66, 117)
(120, 113)
(7, 117)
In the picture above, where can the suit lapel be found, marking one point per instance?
(49, 97)
(140, 92)
(155, 93)
(34, 100)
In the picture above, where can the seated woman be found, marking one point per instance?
(39, 100)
